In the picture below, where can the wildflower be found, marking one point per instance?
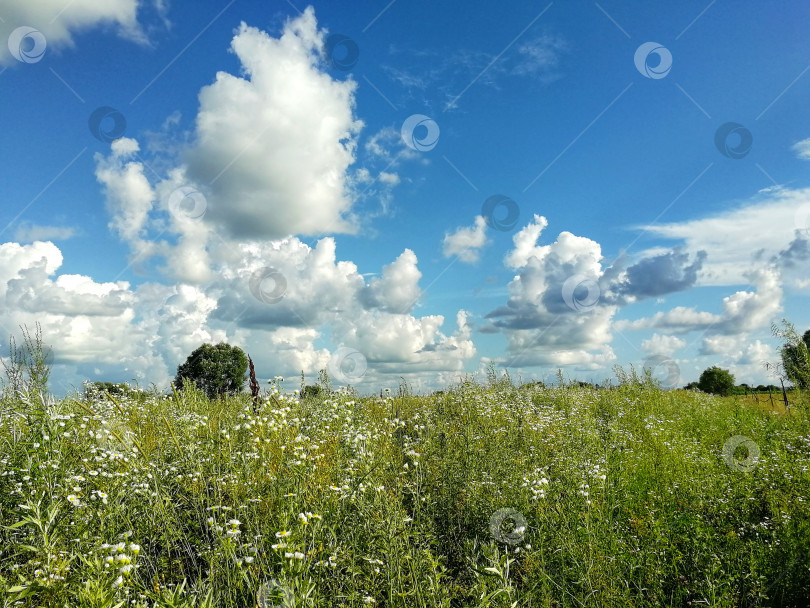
(303, 518)
(74, 500)
(119, 582)
(283, 534)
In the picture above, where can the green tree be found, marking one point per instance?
(216, 370)
(716, 381)
(795, 355)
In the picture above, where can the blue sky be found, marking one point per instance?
(310, 182)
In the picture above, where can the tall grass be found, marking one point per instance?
(615, 497)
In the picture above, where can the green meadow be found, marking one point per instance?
(481, 495)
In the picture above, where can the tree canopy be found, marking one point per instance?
(214, 369)
(716, 381)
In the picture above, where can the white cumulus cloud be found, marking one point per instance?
(58, 20)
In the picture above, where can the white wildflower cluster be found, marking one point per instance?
(248, 559)
(233, 524)
(120, 555)
(536, 482)
(304, 519)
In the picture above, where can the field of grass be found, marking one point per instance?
(485, 495)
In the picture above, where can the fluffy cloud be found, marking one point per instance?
(734, 239)
(272, 148)
(58, 20)
(398, 289)
(662, 345)
(270, 158)
(658, 275)
(802, 149)
(128, 193)
(543, 320)
(110, 330)
(466, 242)
(743, 311)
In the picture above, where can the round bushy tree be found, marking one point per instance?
(215, 369)
(716, 381)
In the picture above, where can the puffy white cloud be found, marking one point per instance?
(272, 148)
(398, 289)
(109, 330)
(743, 311)
(547, 321)
(662, 345)
(128, 193)
(737, 238)
(466, 242)
(802, 149)
(58, 20)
